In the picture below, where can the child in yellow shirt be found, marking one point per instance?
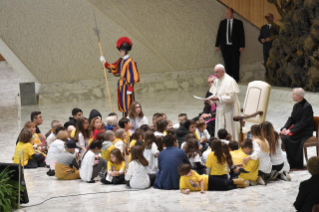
(249, 171)
(116, 168)
(191, 181)
(107, 146)
(137, 135)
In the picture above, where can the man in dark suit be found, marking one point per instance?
(266, 32)
(231, 40)
(308, 194)
(298, 128)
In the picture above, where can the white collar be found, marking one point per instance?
(231, 20)
(269, 25)
(126, 57)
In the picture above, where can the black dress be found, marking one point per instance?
(302, 119)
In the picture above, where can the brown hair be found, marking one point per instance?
(256, 132)
(159, 142)
(184, 169)
(229, 137)
(229, 159)
(191, 147)
(28, 125)
(271, 135)
(63, 135)
(211, 141)
(200, 123)
(137, 154)
(218, 151)
(34, 115)
(161, 125)
(247, 143)
(80, 129)
(149, 138)
(189, 136)
(136, 135)
(313, 165)
(117, 153)
(233, 145)
(100, 137)
(144, 127)
(131, 112)
(25, 136)
(92, 128)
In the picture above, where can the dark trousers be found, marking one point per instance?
(231, 57)
(220, 176)
(219, 184)
(277, 167)
(266, 55)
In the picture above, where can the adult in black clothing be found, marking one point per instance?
(37, 119)
(308, 194)
(266, 32)
(94, 113)
(298, 128)
(231, 40)
(76, 113)
(207, 110)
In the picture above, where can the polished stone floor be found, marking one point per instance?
(79, 196)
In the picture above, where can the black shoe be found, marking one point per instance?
(104, 181)
(42, 164)
(51, 173)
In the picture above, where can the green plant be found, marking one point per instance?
(8, 191)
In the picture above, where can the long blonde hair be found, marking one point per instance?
(258, 134)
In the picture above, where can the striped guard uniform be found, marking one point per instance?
(126, 69)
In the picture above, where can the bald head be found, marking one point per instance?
(219, 71)
(298, 94)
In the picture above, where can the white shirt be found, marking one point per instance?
(205, 155)
(158, 133)
(277, 159)
(264, 159)
(120, 145)
(176, 126)
(56, 148)
(86, 170)
(224, 141)
(136, 123)
(269, 26)
(81, 142)
(231, 29)
(126, 57)
(51, 139)
(149, 154)
(203, 134)
(195, 160)
(137, 175)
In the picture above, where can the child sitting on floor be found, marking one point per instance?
(111, 122)
(115, 169)
(192, 181)
(208, 150)
(95, 128)
(283, 174)
(55, 124)
(107, 144)
(151, 151)
(125, 124)
(160, 127)
(92, 164)
(81, 134)
(137, 175)
(137, 135)
(222, 134)
(118, 142)
(202, 133)
(249, 171)
(192, 151)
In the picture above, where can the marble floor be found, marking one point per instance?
(48, 194)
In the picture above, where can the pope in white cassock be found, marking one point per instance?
(224, 92)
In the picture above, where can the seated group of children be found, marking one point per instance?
(92, 148)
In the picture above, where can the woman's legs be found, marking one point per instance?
(275, 171)
(219, 184)
(98, 167)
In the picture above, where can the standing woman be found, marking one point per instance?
(136, 116)
(126, 69)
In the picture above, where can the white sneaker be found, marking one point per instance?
(285, 176)
(261, 181)
(247, 182)
(253, 182)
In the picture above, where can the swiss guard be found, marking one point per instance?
(126, 69)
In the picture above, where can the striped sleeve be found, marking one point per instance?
(114, 67)
(133, 76)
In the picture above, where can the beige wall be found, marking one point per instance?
(55, 41)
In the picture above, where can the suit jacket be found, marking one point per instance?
(266, 33)
(302, 119)
(167, 177)
(238, 34)
(308, 194)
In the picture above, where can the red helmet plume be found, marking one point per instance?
(124, 43)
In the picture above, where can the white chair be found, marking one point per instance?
(255, 106)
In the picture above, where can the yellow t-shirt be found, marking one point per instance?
(193, 182)
(197, 136)
(133, 142)
(116, 166)
(216, 168)
(28, 152)
(106, 154)
(72, 133)
(164, 133)
(128, 137)
(238, 156)
(90, 141)
(36, 139)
